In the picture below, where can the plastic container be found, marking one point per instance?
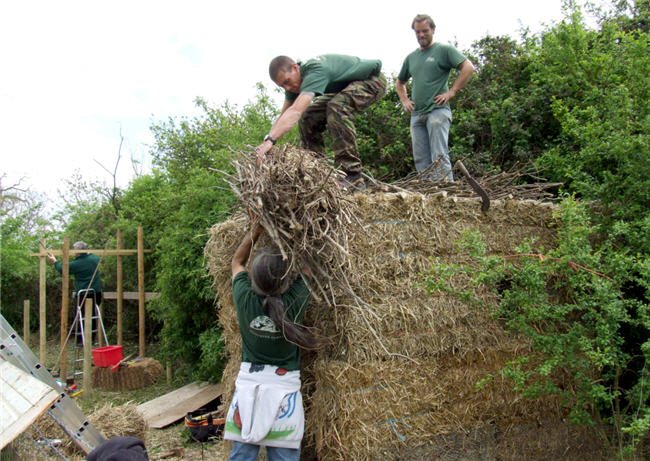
(107, 356)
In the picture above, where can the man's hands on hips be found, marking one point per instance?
(408, 106)
(444, 98)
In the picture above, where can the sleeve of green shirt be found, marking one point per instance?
(454, 56)
(241, 290)
(404, 73)
(316, 78)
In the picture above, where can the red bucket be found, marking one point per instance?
(107, 356)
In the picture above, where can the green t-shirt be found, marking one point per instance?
(262, 341)
(330, 73)
(83, 268)
(430, 71)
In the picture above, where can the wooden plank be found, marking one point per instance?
(169, 408)
(89, 309)
(90, 250)
(42, 309)
(65, 287)
(130, 295)
(120, 290)
(141, 307)
(26, 322)
(23, 399)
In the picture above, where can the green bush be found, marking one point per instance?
(601, 99)
(585, 323)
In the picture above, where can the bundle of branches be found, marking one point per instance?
(295, 196)
(513, 184)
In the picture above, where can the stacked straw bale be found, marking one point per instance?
(136, 374)
(401, 367)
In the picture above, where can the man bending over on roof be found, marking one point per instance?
(328, 91)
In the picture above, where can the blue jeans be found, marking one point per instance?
(429, 134)
(248, 452)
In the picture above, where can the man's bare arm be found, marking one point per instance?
(240, 258)
(290, 115)
(466, 69)
(408, 105)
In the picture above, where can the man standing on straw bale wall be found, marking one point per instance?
(429, 65)
(328, 91)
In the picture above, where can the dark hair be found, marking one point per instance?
(423, 17)
(280, 63)
(270, 278)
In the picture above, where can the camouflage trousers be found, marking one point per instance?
(337, 112)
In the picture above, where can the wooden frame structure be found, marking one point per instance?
(65, 252)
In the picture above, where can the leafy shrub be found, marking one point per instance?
(589, 331)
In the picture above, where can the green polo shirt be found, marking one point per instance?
(430, 71)
(83, 267)
(262, 341)
(330, 73)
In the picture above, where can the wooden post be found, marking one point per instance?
(169, 373)
(26, 321)
(120, 290)
(89, 307)
(65, 286)
(100, 321)
(141, 312)
(42, 317)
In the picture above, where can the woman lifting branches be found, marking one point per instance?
(266, 409)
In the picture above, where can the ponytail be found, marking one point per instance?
(269, 279)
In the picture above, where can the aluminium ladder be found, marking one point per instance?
(78, 326)
(64, 411)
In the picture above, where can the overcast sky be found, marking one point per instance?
(76, 74)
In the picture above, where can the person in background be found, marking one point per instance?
(429, 66)
(266, 408)
(326, 92)
(85, 269)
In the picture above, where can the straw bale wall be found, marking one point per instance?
(401, 370)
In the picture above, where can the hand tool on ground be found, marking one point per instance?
(475, 185)
(117, 365)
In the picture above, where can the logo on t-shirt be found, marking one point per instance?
(431, 59)
(263, 325)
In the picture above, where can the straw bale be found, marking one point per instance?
(400, 362)
(548, 440)
(119, 421)
(140, 373)
(381, 406)
(418, 328)
(359, 394)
